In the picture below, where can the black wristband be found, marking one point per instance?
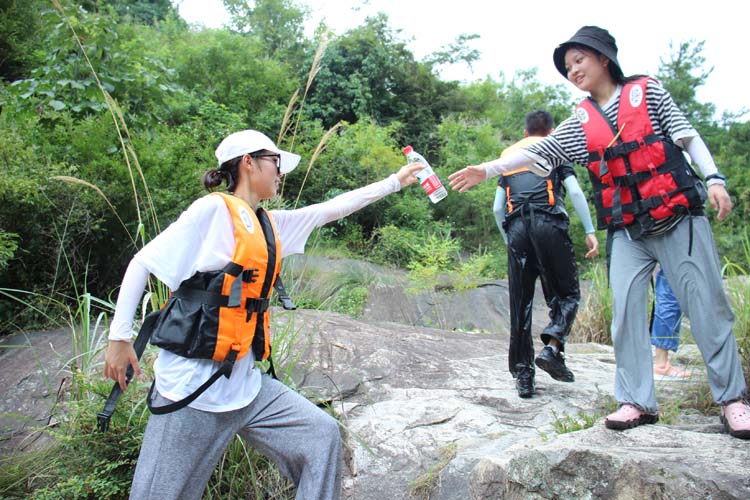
(716, 176)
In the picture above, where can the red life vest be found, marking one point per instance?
(637, 176)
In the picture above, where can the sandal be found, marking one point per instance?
(669, 372)
(736, 419)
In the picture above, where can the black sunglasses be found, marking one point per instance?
(275, 156)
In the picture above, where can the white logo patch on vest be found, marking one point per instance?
(636, 96)
(582, 115)
(247, 219)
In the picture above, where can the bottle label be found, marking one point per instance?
(431, 184)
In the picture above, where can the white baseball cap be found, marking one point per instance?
(251, 141)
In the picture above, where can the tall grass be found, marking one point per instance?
(84, 464)
(594, 319)
(738, 290)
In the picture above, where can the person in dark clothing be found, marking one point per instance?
(531, 216)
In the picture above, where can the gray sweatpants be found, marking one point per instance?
(181, 449)
(696, 281)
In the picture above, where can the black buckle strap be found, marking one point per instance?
(139, 345)
(250, 275)
(257, 305)
(644, 175)
(286, 301)
(225, 369)
(202, 296)
(624, 148)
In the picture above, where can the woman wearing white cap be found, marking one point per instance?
(207, 388)
(631, 136)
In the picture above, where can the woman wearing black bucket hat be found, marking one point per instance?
(630, 135)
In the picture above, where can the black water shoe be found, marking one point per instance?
(525, 382)
(554, 363)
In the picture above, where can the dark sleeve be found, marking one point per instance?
(566, 170)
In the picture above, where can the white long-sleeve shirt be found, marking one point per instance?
(202, 239)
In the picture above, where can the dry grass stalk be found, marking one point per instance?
(286, 122)
(76, 180)
(120, 126)
(318, 150)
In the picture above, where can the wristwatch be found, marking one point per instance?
(718, 176)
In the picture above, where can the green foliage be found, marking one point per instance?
(234, 71)
(470, 213)
(20, 32)
(369, 72)
(122, 54)
(566, 423)
(682, 74)
(8, 247)
(435, 254)
(278, 24)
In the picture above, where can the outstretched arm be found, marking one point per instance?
(578, 200)
(468, 177)
(294, 226)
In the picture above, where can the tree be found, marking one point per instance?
(278, 24)
(369, 72)
(682, 74)
(20, 34)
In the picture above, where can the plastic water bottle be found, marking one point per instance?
(426, 177)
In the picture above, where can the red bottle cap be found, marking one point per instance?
(408, 149)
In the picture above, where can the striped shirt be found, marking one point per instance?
(567, 144)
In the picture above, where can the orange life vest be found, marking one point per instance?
(223, 314)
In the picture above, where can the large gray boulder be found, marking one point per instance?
(648, 462)
(436, 406)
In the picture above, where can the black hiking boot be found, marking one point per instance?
(554, 364)
(525, 382)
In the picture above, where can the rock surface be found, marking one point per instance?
(433, 412)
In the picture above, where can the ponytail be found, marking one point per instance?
(227, 171)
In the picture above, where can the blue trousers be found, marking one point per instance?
(665, 326)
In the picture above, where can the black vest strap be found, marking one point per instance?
(139, 345)
(203, 297)
(225, 369)
(286, 301)
(638, 177)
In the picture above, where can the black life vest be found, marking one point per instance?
(524, 188)
(637, 176)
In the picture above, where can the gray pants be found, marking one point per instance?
(180, 450)
(696, 281)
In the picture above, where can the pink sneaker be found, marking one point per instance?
(736, 419)
(627, 417)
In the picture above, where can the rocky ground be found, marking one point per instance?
(430, 411)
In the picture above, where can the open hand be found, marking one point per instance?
(466, 178)
(593, 244)
(720, 200)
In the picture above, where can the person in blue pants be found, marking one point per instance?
(665, 329)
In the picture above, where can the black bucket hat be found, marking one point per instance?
(592, 37)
